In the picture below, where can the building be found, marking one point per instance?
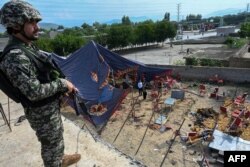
(225, 30)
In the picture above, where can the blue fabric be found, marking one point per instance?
(106, 94)
(88, 69)
(117, 62)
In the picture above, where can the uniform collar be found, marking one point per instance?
(16, 41)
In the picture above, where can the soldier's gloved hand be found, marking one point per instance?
(71, 88)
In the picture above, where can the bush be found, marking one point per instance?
(45, 44)
(179, 62)
(192, 61)
(235, 42)
(210, 62)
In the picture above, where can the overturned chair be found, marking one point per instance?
(240, 99)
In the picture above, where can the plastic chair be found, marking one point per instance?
(202, 89)
(240, 99)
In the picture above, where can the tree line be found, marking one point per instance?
(129, 34)
(115, 36)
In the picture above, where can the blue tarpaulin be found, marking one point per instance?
(117, 62)
(88, 69)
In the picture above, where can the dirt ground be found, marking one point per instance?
(151, 148)
(167, 55)
(138, 136)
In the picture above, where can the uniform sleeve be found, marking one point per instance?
(23, 75)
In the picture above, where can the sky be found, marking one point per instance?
(75, 12)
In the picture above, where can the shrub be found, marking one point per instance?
(192, 61)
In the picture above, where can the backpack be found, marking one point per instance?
(13, 92)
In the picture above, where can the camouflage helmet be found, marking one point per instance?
(17, 12)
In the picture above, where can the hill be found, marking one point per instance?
(230, 11)
(48, 26)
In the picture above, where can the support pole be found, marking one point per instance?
(4, 117)
(145, 132)
(131, 111)
(176, 134)
(9, 108)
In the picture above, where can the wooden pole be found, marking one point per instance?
(176, 134)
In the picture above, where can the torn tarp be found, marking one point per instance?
(88, 69)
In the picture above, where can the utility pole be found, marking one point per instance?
(179, 25)
(178, 12)
(247, 7)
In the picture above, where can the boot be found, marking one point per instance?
(68, 160)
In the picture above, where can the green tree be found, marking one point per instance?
(101, 38)
(66, 44)
(60, 27)
(144, 32)
(74, 31)
(88, 30)
(45, 44)
(244, 30)
(119, 36)
(96, 25)
(194, 18)
(171, 29)
(164, 30)
(126, 20)
(167, 16)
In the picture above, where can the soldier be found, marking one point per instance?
(38, 80)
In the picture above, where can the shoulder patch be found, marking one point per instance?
(15, 51)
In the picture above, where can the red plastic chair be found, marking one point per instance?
(223, 109)
(236, 123)
(202, 89)
(240, 99)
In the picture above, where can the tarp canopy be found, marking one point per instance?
(117, 62)
(88, 69)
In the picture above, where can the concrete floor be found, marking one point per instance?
(21, 147)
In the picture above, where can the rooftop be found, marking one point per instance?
(21, 147)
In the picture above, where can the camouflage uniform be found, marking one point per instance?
(23, 74)
(45, 120)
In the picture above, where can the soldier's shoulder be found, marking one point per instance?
(16, 54)
(15, 51)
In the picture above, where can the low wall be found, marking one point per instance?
(239, 62)
(236, 75)
(242, 51)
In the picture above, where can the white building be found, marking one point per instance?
(225, 30)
